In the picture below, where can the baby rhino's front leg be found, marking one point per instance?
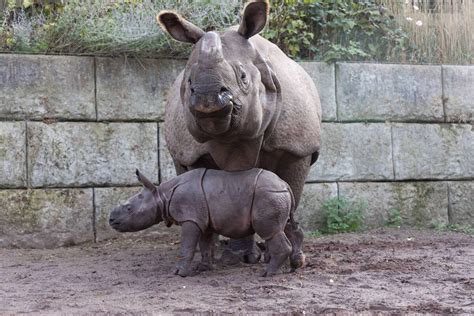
(190, 234)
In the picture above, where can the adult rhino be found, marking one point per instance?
(241, 102)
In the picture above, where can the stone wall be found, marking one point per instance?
(73, 129)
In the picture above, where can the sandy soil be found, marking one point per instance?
(382, 271)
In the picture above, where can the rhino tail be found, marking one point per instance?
(293, 206)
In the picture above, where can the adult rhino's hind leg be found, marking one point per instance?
(296, 236)
(294, 170)
(279, 248)
(246, 249)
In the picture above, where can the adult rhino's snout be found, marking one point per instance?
(211, 104)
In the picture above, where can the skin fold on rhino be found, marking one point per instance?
(241, 102)
(232, 204)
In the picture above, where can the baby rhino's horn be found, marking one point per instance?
(146, 183)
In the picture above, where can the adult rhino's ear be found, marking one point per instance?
(180, 29)
(254, 18)
(146, 183)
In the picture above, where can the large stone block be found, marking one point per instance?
(418, 203)
(461, 202)
(167, 170)
(309, 213)
(37, 87)
(458, 87)
(12, 154)
(132, 89)
(323, 75)
(428, 151)
(354, 151)
(389, 92)
(45, 218)
(79, 154)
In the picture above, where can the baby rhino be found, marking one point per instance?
(232, 204)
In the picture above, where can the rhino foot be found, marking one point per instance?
(182, 271)
(297, 260)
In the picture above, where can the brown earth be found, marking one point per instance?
(381, 271)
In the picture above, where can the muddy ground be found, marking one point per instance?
(381, 271)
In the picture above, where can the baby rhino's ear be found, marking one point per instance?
(146, 183)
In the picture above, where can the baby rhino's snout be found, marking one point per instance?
(114, 215)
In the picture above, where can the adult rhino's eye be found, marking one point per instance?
(243, 75)
(190, 87)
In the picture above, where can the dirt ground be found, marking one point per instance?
(381, 271)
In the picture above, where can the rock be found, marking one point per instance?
(12, 154)
(34, 87)
(167, 170)
(461, 203)
(418, 203)
(458, 88)
(354, 151)
(80, 154)
(45, 218)
(389, 92)
(323, 75)
(433, 151)
(132, 89)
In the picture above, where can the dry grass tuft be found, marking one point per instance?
(439, 33)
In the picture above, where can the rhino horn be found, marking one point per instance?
(210, 51)
(146, 183)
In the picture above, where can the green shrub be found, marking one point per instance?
(394, 218)
(465, 229)
(343, 215)
(333, 30)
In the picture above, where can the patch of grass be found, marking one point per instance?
(315, 234)
(123, 27)
(343, 216)
(394, 218)
(465, 229)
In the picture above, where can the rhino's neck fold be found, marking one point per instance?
(162, 209)
(236, 156)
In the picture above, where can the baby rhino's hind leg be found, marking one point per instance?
(279, 249)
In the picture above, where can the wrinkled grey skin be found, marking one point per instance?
(241, 102)
(232, 204)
